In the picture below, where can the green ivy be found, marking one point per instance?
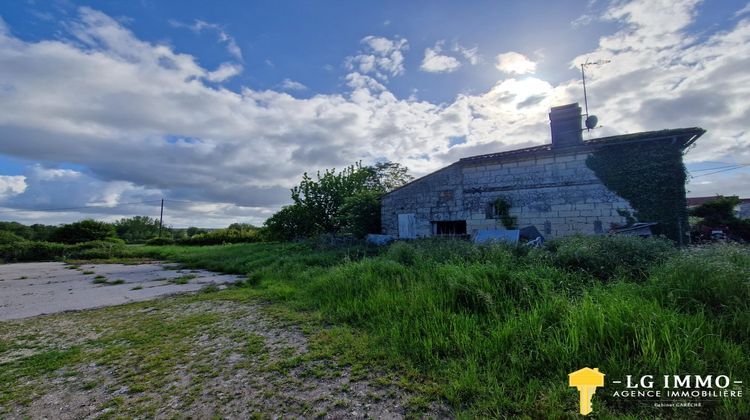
(500, 209)
(651, 176)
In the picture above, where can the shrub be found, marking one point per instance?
(8, 238)
(160, 241)
(611, 256)
(83, 231)
(222, 236)
(97, 250)
(32, 251)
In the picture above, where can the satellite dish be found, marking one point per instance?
(591, 121)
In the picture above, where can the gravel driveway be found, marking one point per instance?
(31, 289)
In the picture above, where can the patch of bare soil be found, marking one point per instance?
(202, 359)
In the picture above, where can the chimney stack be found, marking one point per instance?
(565, 122)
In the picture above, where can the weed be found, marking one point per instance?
(183, 279)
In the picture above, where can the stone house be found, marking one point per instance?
(548, 186)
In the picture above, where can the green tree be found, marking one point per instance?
(719, 211)
(337, 202)
(137, 228)
(83, 231)
(360, 214)
(389, 175)
(243, 227)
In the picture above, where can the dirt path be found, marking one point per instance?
(205, 355)
(30, 289)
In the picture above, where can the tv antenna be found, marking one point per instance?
(591, 120)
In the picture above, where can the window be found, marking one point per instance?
(450, 228)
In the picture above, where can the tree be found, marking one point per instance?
(242, 227)
(360, 214)
(192, 231)
(337, 202)
(83, 231)
(137, 228)
(719, 211)
(389, 176)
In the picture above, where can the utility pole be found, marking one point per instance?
(161, 216)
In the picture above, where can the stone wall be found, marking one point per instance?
(557, 193)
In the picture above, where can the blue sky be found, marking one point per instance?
(226, 104)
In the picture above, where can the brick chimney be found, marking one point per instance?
(565, 122)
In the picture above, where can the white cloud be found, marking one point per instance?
(514, 63)
(289, 84)
(222, 36)
(12, 185)
(381, 57)
(745, 10)
(435, 62)
(470, 54)
(144, 123)
(224, 72)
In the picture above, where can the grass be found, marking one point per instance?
(497, 329)
(183, 279)
(491, 330)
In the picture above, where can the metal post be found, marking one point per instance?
(585, 98)
(161, 216)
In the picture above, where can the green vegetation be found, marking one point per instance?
(84, 231)
(500, 209)
(183, 279)
(491, 330)
(717, 214)
(654, 187)
(337, 202)
(498, 328)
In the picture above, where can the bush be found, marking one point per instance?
(223, 236)
(97, 250)
(8, 238)
(160, 241)
(83, 231)
(611, 256)
(32, 251)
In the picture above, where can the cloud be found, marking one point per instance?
(745, 10)
(222, 36)
(470, 54)
(141, 121)
(381, 57)
(514, 63)
(435, 62)
(224, 72)
(12, 185)
(289, 84)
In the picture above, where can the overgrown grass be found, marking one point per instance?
(498, 328)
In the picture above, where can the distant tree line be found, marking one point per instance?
(340, 203)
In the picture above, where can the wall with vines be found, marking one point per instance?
(651, 176)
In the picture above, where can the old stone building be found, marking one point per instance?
(548, 186)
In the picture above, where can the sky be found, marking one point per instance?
(219, 107)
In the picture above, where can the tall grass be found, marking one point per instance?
(498, 328)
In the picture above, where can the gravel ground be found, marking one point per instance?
(196, 356)
(31, 289)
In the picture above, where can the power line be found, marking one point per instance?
(736, 165)
(722, 170)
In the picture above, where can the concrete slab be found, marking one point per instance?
(31, 289)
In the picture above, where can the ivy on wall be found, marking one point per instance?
(499, 208)
(651, 176)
